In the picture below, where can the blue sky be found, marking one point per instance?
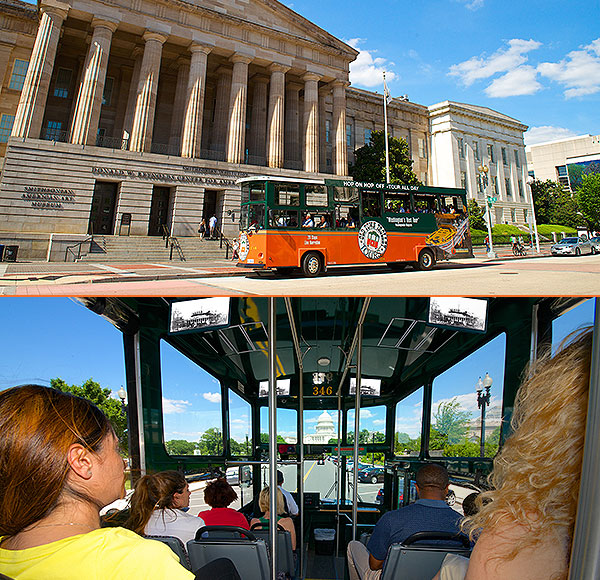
(537, 61)
(44, 338)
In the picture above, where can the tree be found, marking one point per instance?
(476, 213)
(564, 209)
(451, 420)
(92, 391)
(180, 447)
(542, 192)
(211, 442)
(369, 164)
(588, 197)
(264, 439)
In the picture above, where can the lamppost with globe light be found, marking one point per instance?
(483, 176)
(122, 394)
(483, 400)
(530, 180)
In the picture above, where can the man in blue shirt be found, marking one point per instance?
(430, 513)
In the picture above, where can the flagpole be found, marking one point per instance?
(387, 150)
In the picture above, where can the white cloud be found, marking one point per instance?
(367, 70)
(546, 133)
(173, 406)
(379, 422)
(212, 397)
(579, 72)
(520, 81)
(473, 4)
(502, 61)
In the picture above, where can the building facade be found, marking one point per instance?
(551, 160)
(465, 137)
(145, 113)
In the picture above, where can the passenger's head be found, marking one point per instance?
(279, 478)
(219, 494)
(162, 490)
(469, 504)
(55, 448)
(432, 481)
(535, 480)
(264, 501)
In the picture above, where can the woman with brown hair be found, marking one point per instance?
(218, 494)
(157, 506)
(59, 465)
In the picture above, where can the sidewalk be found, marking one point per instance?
(21, 274)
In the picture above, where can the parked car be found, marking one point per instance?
(572, 246)
(371, 475)
(595, 241)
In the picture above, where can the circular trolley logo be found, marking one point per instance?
(372, 240)
(244, 247)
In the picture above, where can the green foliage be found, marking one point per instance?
(463, 449)
(180, 447)
(588, 197)
(369, 164)
(211, 442)
(547, 229)
(365, 436)
(437, 439)
(450, 420)
(553, 204)
(542, 192)
(507, 229)
(564, 209)
(476, 213)
(264, 439)
(92, 391)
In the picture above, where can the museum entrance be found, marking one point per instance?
(159, 210)
(102, 215)
(210, 205)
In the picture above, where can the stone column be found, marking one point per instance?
(258, 121)
(237, 109)
(89, 100)
(311, 122)
(323, 129)
(183, 70)
(131, 99)
(30, 112)
(191, 140)
(145, 105)
(292, 124)
(6, 48)
(340, 151)
(219, 130)
(275, 122)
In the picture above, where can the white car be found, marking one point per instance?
(572, 246)
(595, 241)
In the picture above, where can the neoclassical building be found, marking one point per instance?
(146, 112)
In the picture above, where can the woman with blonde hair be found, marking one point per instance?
(524, 526)
(158, 504)
(264, 502)
(59, 465)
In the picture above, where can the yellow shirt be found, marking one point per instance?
(104, 554)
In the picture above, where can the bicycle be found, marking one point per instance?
(519, 250)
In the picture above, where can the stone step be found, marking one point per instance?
(151, 249)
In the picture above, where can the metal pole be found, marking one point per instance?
(387, 149)
(288, 307)
(272, 437)
(356, 428)
(535, 232)
(481, 441)
(585, 553)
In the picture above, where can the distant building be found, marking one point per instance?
(560, 160)
(463, 137)
(324, 430)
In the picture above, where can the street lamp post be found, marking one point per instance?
(122, 394)
(530, 180)
(483, 175)
(483, 400)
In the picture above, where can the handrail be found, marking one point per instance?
(228, 243)
(172, 241)
(69, 249)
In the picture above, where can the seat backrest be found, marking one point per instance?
(285, 555)
(418, 561)
(248, 553)
(177, 546)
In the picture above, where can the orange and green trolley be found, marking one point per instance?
(310, 224)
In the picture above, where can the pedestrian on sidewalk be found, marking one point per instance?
(212, 223)
(486, 241)
(202, 229)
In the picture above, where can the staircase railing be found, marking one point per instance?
(172, 242)
(229, 245)
(75, 249)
